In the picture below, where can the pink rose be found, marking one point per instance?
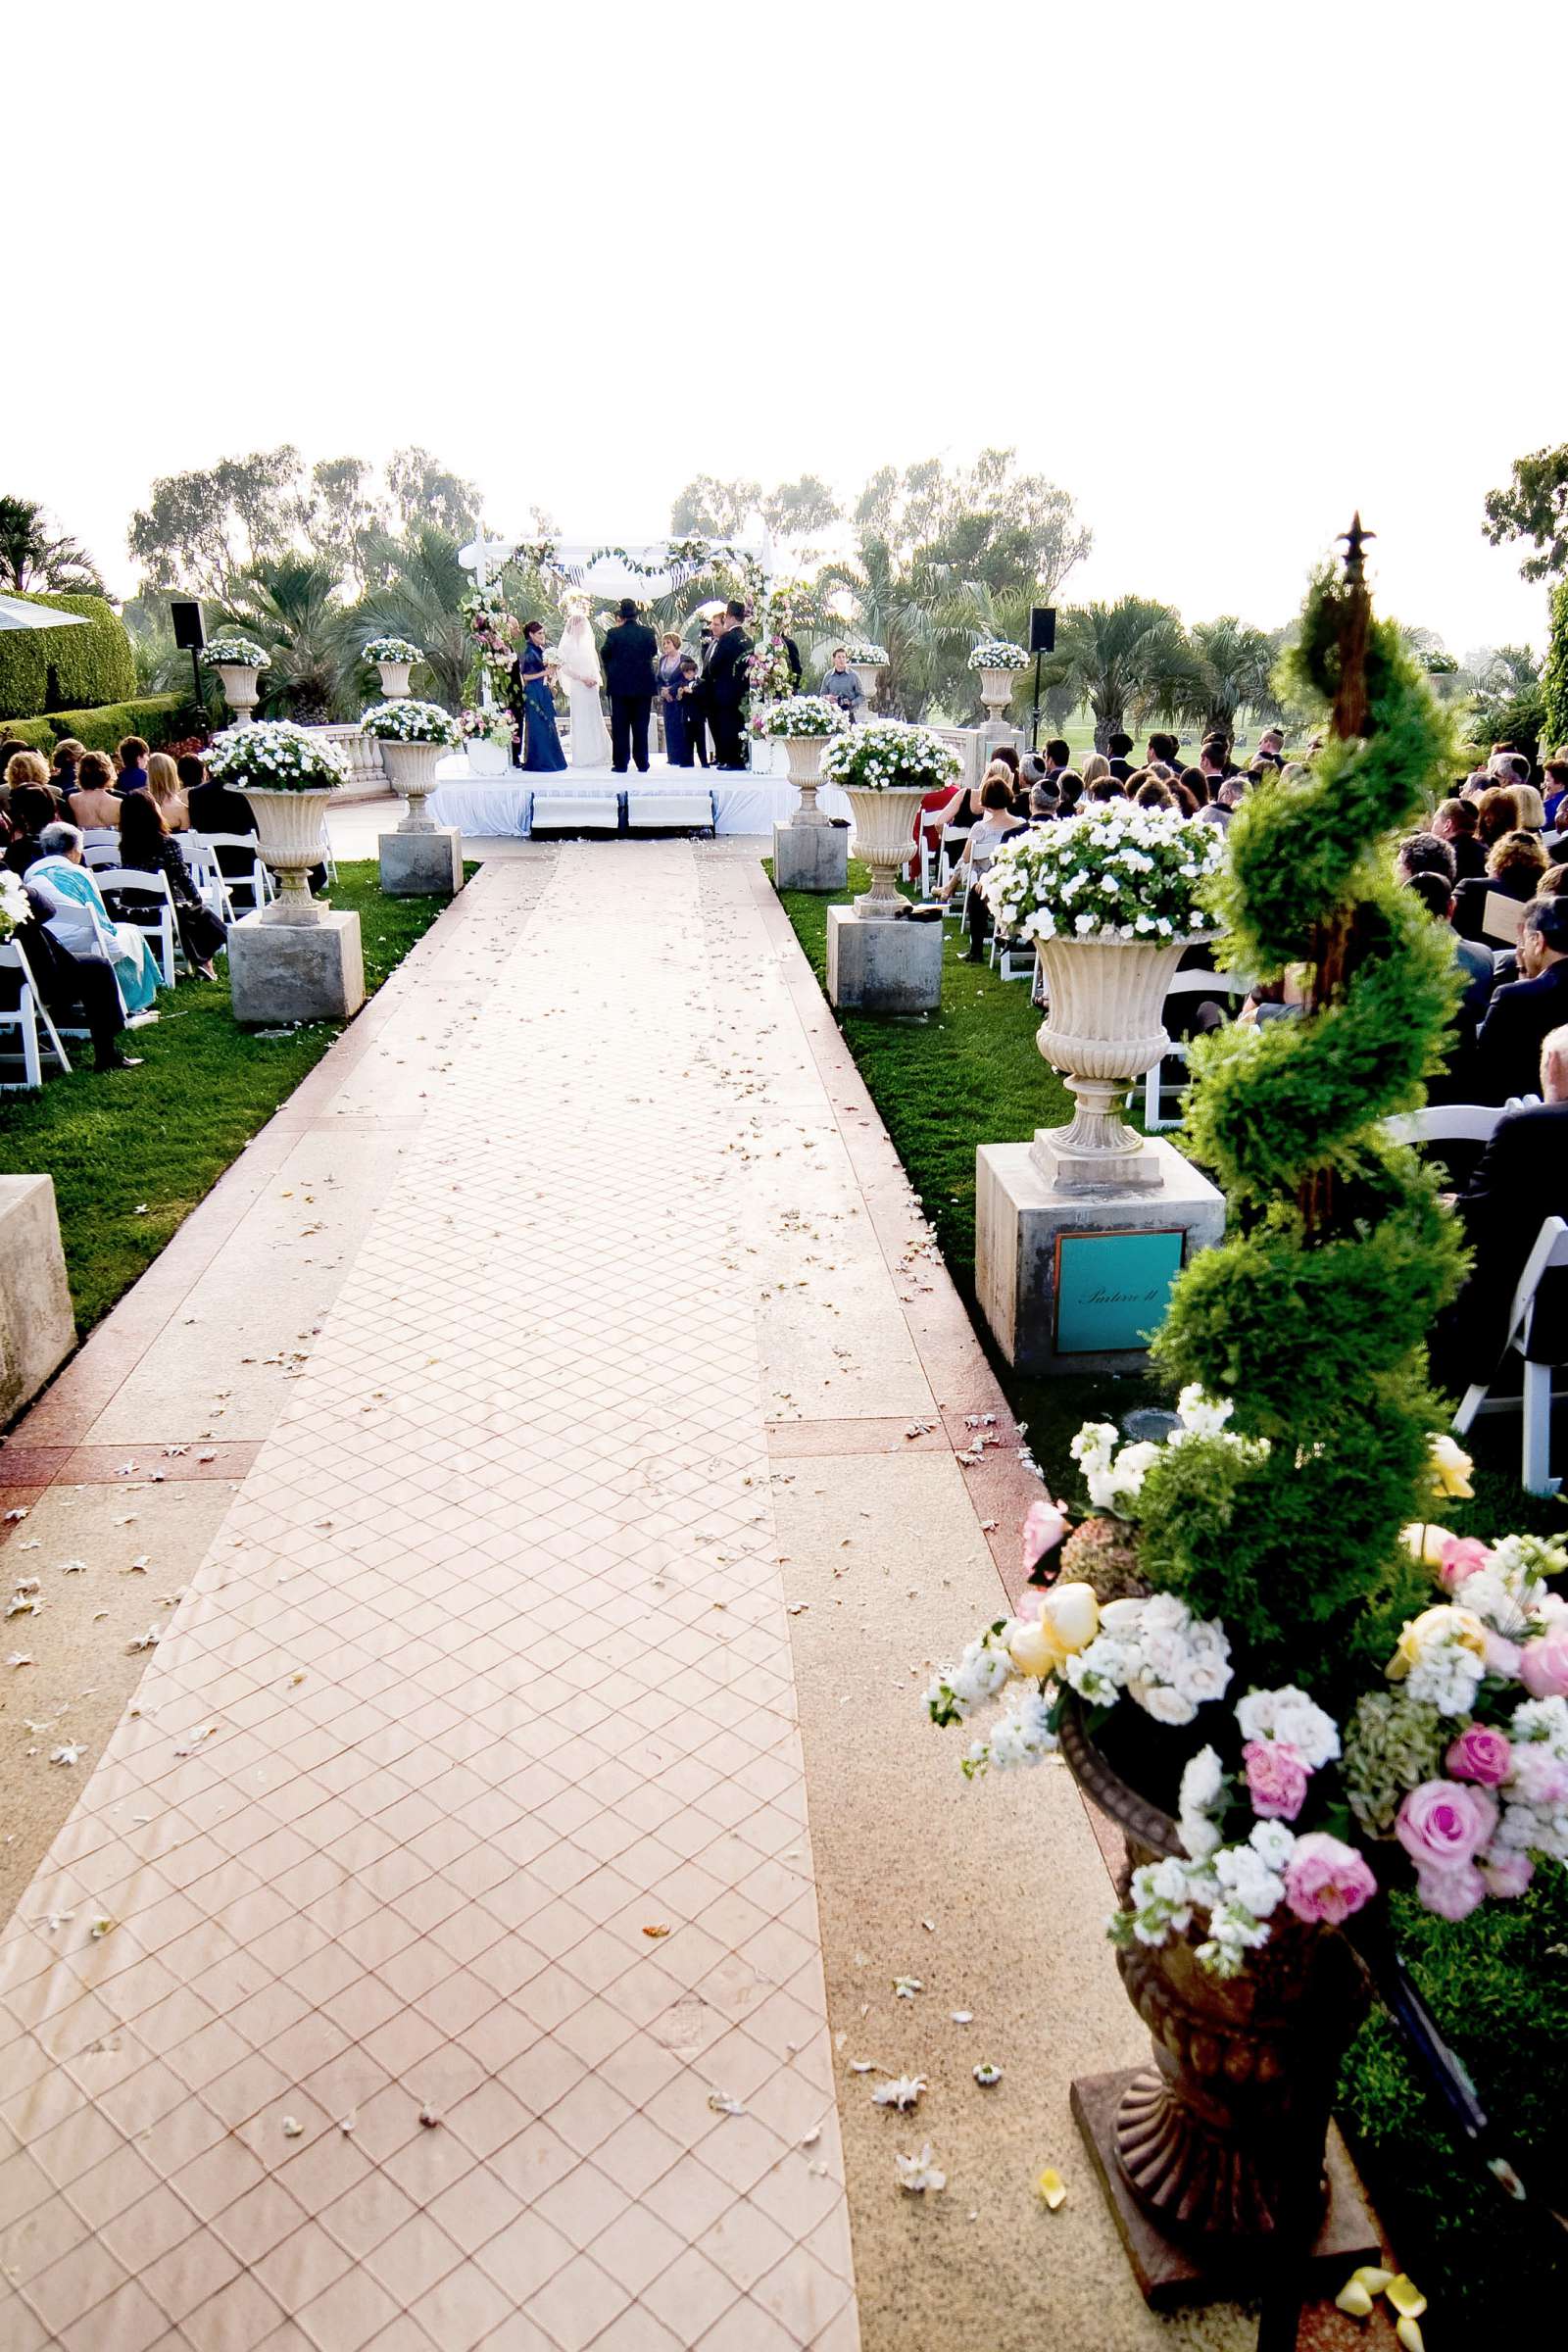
(1482, 1755)
(1276, 1779)
(1462, 1555)
(1544, 1666)
(1044, 1525)
(1325, 1881)
(1505, 1872)
(1451, 1893)
(1442, 1826)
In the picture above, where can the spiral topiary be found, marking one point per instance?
(1313, 1312)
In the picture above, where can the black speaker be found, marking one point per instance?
(187, 615)
(1043, 630)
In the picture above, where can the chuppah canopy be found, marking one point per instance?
(654, 569)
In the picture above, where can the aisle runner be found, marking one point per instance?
(463, 1952)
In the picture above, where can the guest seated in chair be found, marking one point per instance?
(94, 806)
(1521, 1177)
(79, 921)
(77, 989)
(1514, 866)
(218, 808)
(997, 823)
(1508, 1041)
(145, 847)
(31, 809)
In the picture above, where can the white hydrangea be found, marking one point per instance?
(1022, 1735)
(1294, 1720)
(1274, 1841)
(1203, 1416)
(979, 1675)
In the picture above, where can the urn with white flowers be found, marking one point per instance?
(1110, 901)
(886, 768)
(805, 724)
(414, 737)
(394, 658)
(239, 662)
(998, 661)
(289, 774)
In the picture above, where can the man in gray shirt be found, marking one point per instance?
(840, 685)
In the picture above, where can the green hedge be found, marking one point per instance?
(159, 719)
(59, 669)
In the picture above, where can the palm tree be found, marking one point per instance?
(421, 598)
(1233, 666)
(898, 604)
(1129, 659)
(34, 555)
(291, 607)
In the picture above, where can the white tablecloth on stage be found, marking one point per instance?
(484, 806)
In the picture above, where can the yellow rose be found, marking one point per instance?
(1450, 1467)
(1441, 1624)
(1425, 1542)
(1068, 1621)
(1034, 1648)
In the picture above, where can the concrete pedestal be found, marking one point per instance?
(1019, 1218)
(882, 968)
(282, 972)
(810, 856)
(38, 1330)
(421, 865)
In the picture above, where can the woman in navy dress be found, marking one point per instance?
(541, 744)
(677, 743)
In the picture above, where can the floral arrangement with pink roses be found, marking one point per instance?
(1455, 1769)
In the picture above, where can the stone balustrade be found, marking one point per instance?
(361, 751)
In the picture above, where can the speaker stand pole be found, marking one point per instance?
(196, 673)
(1034, 731)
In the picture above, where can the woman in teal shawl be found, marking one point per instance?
(81, 923)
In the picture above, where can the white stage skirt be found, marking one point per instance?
(482, 806)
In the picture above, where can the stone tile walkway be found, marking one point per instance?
(463, 1982)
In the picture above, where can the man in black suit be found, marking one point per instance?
(1117, 748)
(726, 687)
(628, 654)
(1522, 1177)
(1508, 1041)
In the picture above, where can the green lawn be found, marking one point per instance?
(131, 1151)
(1498, 1984)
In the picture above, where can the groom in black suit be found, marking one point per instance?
(727, 687)
(629, 654)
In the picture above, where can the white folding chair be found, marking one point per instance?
(1229, 985)
(100, 846)
(1549, 1253)
(208, 875)
(1445, 1123)
(24, 1018)
(954, 839)
(156, 922)
(256, 886)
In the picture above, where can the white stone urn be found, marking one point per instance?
(995, 691)
(486, 756)
(394, 679)
(1101, 1030)
(884, 831)
(411, 771)
(238, 680)
(869, 674)
(290, 836)
(806, 774)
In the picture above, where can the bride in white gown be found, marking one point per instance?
(578, 660)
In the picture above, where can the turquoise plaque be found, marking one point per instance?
(1113, 1289)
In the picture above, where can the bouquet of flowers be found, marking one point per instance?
(235, 652)
(408, 721)
(998, 652)
(496, 725)
(1452, 1764)
(13, 906)
(886, 755)
(800, 714)
(866, 655)
(276, 756)
(1118, 872)
(492, 631)
(393, 649)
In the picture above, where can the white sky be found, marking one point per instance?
(1224, 271)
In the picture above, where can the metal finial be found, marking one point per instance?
(1354, 540)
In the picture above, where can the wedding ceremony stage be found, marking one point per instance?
(743, 800)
